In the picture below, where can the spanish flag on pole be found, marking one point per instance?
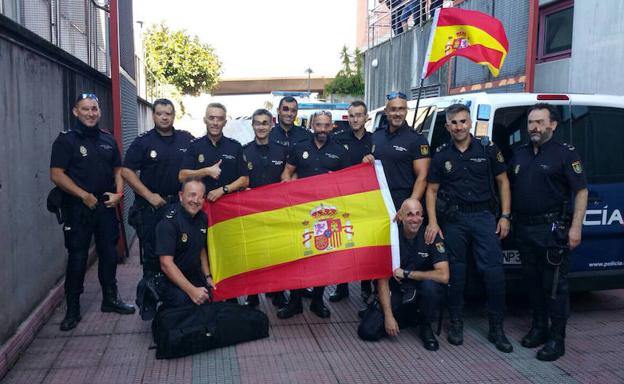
(319, 230)
(471, 34)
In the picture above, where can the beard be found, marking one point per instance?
(321, 137)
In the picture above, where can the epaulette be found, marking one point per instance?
(142, 134)
(197, 139)
(66, 131)
(171, 213)
(568, 146)
(441, 147)
(105, 131)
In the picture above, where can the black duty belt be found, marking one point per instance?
(474, 207)
(546, 218)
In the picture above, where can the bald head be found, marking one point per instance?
(411, 215)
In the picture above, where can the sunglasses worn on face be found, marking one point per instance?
(394, 95)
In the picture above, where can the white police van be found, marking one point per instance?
(594, 124)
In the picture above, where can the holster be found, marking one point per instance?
(557, 243)
(446, 211)
(135, 219)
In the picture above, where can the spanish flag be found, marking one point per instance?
(471, 34)
(319, 230)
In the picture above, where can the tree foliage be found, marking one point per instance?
(176, 58)
(350, 79)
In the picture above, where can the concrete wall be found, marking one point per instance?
(552, 76)
(597, 47)
(38, 84)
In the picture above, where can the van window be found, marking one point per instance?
(510, 128)
(597, 135)
(440, 135)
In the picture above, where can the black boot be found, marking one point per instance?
(111, 302)
(426, 335)
(555, 346)
(292, 308)
(496, 336)
(456, 332)
(538, 334)
(72, 316)
(318, 307)
(279, 299)
(342, 291)
(252, 301)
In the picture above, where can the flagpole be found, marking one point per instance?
(424, 71)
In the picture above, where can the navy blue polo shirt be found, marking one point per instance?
(295, 135)
(357, 148)
(183, 236)
(202, 153)
(465, 176)
(397, 152)
(416, 255)
(89, 157)
(265, 162)
(542, 182)
(311, 160)
(158, 159)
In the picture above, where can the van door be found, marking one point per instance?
(597, 134)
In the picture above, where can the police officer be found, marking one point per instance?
(403, 152)
(157, 155)
(285, 132)
(218, 160)
(544, 175)
(357, 142)
(461, 183)
(86, 165)
(181, 248)
(424, 268)
(265, 161)
(313, 157)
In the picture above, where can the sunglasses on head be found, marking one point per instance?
(83, 96)
(394, 95)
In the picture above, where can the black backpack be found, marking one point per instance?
(192, 329)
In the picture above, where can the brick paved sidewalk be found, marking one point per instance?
(109, 348)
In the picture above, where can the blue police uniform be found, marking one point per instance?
(89, 157)
(265, 162)
(289, 139)
(311, 161)
(397, 151)
(356, 148)
(466, 179)
(182, 236)
(416, 255)
(543, 184)
(158, 159)
(203, 153)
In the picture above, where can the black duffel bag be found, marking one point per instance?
(187, 330)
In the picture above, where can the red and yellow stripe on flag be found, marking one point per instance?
(471, 34)
(314, 231)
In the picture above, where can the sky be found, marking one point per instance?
(262, 38)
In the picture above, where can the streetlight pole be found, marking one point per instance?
(309, 72)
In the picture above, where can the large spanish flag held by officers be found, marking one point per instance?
(471, 34)
(319, 230)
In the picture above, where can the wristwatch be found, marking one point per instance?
(406, 273)
(226, 190)
(506, 216)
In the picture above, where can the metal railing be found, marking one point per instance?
(389, 18)
(80, 27)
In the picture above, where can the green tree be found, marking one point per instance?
(176, 58)
(350, 78)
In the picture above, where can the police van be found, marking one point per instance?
(594, 124)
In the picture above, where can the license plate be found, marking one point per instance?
(511, 257)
